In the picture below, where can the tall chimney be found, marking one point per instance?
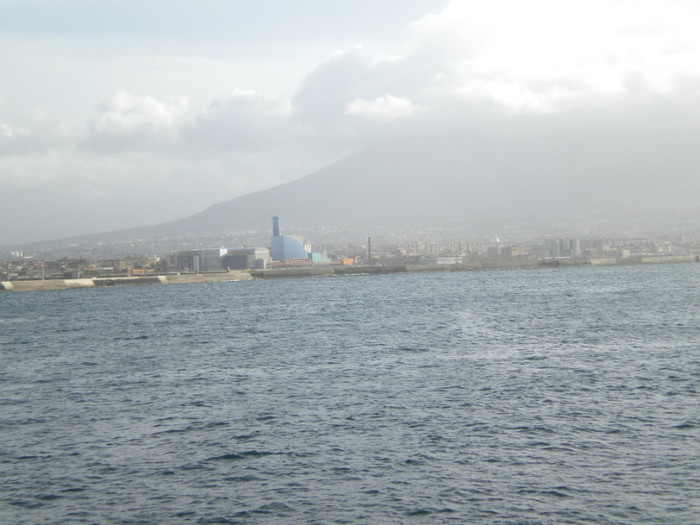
(275, 226)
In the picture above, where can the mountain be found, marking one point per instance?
(443, 179)
(518, 175)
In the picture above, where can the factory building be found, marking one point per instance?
(244, 258)
(283, 248)
(198, 261)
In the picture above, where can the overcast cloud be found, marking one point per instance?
(135, 113)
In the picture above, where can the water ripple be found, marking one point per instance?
(485, 397)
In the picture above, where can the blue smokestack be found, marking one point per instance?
(275, 226)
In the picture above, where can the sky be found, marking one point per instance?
(123, 113)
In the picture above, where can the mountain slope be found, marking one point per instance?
(447, 179)
(455, 178)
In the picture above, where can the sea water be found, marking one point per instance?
(533, 396)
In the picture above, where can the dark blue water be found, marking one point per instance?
(540, 396)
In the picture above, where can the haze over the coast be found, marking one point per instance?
(122, 114)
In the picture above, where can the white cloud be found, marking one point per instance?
(544, 54)
(132, 122)
(125, 113)
(382, 108)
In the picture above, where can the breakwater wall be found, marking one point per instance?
(619, 261)
(97, 282)
(325, 271)
(321, 271)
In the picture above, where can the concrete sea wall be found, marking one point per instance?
(67, 284)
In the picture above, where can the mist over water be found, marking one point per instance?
(540, 396)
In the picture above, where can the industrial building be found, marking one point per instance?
(284, 248)
(218, 259)
(244, 258)
(198, 261)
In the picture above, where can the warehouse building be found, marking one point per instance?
(244, 258)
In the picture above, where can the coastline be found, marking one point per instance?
(330, 271)
(325, 271)
(97, 282)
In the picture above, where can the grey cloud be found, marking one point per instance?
(135, 140)
(338, 100)
(42, 133)
(19, 141)
(325, 92)
(243, 120)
